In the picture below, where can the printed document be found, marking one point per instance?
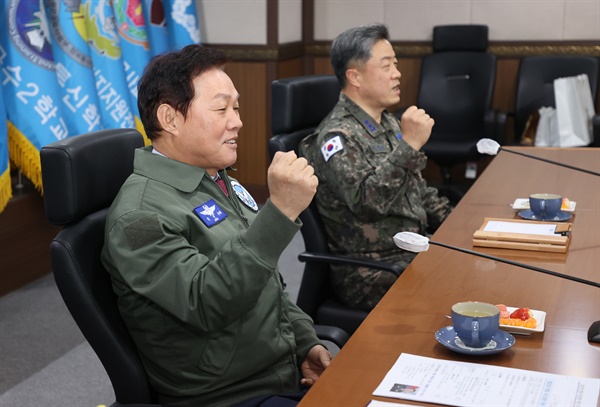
(429, 380)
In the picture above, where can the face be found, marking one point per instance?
(207, 137)
(379, 77)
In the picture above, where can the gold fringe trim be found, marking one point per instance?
(5, 188)
(25, 156)
(140, 127)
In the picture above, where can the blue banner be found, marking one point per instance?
(34, 115)
(73, 66)
(70, 67)
(5, 185)
(182, 23)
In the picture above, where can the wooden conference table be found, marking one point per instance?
(416, 306)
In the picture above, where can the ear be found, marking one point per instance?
(167, 117)
(353, 76)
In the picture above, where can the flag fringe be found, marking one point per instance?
(25, 156)
(5, 188)
(140, 127)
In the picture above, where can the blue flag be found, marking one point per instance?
(109, 71)
(182, 24)
(28, 80)
(5, 186)
(73, 66)
(70, 67)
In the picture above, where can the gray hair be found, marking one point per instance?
(353, 47)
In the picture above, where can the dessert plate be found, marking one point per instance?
(500, 342)
(540, 318)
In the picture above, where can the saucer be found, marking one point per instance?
(501, 341)
(561, 217)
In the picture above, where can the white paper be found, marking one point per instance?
(520, 227)
(430, 380)
(377, 403)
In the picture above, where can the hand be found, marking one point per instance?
(292, 183)
(416, 127)
(316, 362)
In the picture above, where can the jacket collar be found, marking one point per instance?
(181, 176)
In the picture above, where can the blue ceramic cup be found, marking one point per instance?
(475, 323)
(545, 206)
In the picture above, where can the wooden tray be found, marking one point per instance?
(558, 243)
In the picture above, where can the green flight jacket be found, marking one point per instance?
(204, 302)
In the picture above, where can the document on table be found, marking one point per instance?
(520, 227)
(429, 380)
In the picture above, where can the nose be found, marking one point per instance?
(397, 73)
(235, 122)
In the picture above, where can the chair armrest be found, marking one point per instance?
(596, 130)
(332, 334)
(353, 261)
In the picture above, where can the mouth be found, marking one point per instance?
(231, 142)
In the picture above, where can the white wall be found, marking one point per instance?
(290, 21)
(508, 20)
(245, 21)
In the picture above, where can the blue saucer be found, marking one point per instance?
(561, 217)
(501, 341)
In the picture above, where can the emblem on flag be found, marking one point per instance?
(331, 147)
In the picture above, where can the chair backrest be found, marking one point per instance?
(457, 82)
(299, 105)
(535, 82)
(81, 176)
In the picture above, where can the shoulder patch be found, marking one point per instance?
(331, 147)
(143, 231)
(244, 196)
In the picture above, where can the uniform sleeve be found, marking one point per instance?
(370, 191)
(161, 265)
(304, 330)
(437, 207)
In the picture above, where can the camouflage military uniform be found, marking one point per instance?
(370, 188)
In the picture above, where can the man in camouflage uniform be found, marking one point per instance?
(369, 166)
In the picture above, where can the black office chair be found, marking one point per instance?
(456, 89)
(535, 85)
(299, 105)
(81, 176)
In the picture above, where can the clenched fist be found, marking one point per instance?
(416, 127)
(292, 183)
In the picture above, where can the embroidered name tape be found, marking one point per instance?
(331, 147)
(210, 213)
(244, 195)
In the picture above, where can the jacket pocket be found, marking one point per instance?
(219, 348)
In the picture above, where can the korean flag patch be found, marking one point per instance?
(331, 147)
(210, 213)
(244, 195)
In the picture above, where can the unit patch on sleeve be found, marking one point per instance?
(331, 147)
(244, 195)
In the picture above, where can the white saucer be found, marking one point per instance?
(561, 217)
(500, 342)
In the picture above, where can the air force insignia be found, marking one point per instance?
(244, 195)
(331, 147)
(210, 213)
